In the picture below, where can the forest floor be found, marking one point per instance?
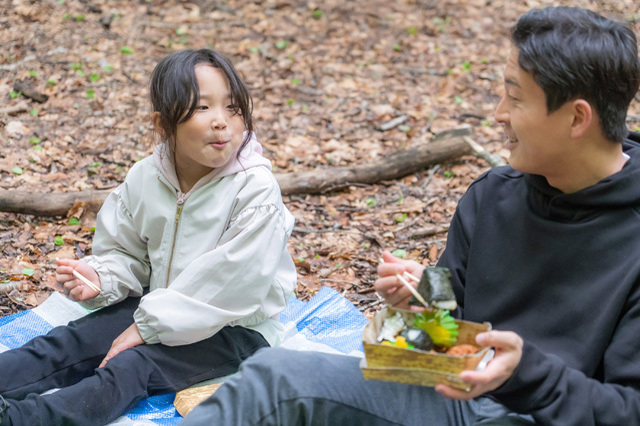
(325, 76)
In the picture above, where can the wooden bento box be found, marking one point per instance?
(418, 367)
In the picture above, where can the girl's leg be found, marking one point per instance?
(135, 374)
(65, 355)
(284, 387)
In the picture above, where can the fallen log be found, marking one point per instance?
(445, 146)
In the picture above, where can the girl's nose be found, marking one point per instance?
(502, 114)
(218, 121)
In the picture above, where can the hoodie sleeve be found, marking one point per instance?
(119, 254)
(248, 276)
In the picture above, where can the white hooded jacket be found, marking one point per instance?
(212, 257)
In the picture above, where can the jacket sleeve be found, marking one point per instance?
(238, 280)
(554, 394)
(119, 254)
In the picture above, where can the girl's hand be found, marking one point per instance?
(389, 286)
(128, 339)
(72, 287)
(508, 347)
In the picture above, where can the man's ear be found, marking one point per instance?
(582, 117)
(155, 118)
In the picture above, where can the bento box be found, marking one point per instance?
(419, 367)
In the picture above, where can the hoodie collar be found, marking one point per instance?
(620, 190)
(250, 156)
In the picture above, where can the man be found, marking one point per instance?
(545, 249)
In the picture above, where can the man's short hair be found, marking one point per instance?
(575, 53)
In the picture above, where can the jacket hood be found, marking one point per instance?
(250, 156)
(620, 190)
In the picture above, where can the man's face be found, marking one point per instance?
(536, 139)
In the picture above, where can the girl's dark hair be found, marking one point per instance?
(175, 93)
(575, 53)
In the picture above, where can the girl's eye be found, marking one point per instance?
(235, 109)
(202, 108)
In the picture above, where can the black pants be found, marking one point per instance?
(68, 357)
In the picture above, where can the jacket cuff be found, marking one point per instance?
(148, 334)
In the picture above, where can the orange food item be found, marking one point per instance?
(462, 350)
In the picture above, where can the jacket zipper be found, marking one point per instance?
(181, 199)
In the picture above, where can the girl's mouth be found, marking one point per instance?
(218, 144)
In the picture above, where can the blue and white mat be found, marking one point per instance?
(327, 323)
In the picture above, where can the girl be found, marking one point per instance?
(189, 257)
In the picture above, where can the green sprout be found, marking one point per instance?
(58, 241)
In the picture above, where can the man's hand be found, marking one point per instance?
(389, 286)
(72, 287)
(508, 347)
(128, 339)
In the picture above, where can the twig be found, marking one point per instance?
(14, 285)
(428, 231)
(22, 106)
(393, 123)
(86, 280)
(493, 160)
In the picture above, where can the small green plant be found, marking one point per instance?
(91, 93)
(51, 82)
(14, 95)
(317, 14)
(92, 229)
(126, 50)
(412, 31)
(291, 102)
(397, 48)
(449, 174)
(58, 241)
(28, 271)
(371, 202)
(108, 68)
(33, 112)
(95, 164)
(486, 123)
(466, 65)
(34, 140)
(254, 50)
(94, 77)
(401, 218)
(404, 128)
(74, 221)
(301, 259)
(38, 148)
(17, 171)
(33, 74)
(77, 66)
(80, 18)
(282, 44)
(399, 253)
(67, 16)
(458, 99)
(295, 81)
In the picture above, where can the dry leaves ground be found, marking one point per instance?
(325, 76)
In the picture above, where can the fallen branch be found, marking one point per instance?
(445, 146)
(9, 110)
(29, 92)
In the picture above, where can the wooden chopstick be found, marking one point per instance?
(410, 287)
(85, 280)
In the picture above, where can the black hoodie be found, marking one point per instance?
(561, 270)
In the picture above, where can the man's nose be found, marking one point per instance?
(501, 114)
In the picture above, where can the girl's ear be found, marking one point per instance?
(582, 118)
(155, 118)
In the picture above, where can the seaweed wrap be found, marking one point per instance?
(435, 287)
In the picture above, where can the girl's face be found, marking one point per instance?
(213, 135)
